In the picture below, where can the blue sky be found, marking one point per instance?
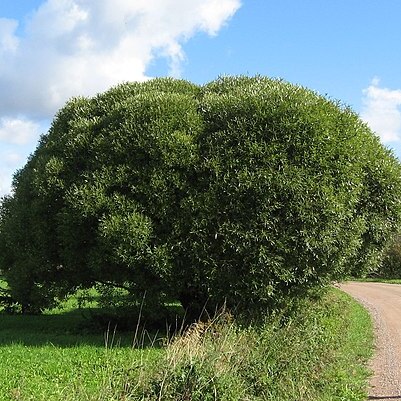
(51, 50)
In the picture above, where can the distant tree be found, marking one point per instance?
(390, 267)
(27, 247)
(245, 191)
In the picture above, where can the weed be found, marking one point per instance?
(317, 354)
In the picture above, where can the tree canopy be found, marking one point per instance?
(243, 191)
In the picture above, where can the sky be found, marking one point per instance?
(52, 50)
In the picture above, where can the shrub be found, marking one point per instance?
(104, 184)
(246, 191)
(293, 191)
(390, 267)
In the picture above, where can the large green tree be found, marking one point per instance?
(246, 191)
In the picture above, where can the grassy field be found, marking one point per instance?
(316, 355)
(46, 358)
(378, 280)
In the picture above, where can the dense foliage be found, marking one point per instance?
(390, 267)
(246, 191)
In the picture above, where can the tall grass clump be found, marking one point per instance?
(316, 354)
(204, 362)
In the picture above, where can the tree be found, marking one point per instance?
(245, 191)
(390, 267)
(294, 192)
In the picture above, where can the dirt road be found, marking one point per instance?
(384, 303)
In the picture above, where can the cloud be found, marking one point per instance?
(19, 131)
(81, 47)
(5, 183)
(69, 48)
(382, 111)
(8, 40)
(12, 159)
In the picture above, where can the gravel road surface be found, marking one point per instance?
(384, 303)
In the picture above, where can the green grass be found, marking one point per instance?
(51, 358)
(325, 351)
(318, 355)
(378, 280)
(347, 373)
(82, 372)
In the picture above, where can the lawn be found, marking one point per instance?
(54, 357)
(318, 355)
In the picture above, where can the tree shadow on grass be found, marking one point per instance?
(86, 326)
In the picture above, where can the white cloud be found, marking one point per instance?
(213, 13)
(382, 111)
(8, 40)
(5, 183)
(81, 47)
(19, 131)
(12, 159)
